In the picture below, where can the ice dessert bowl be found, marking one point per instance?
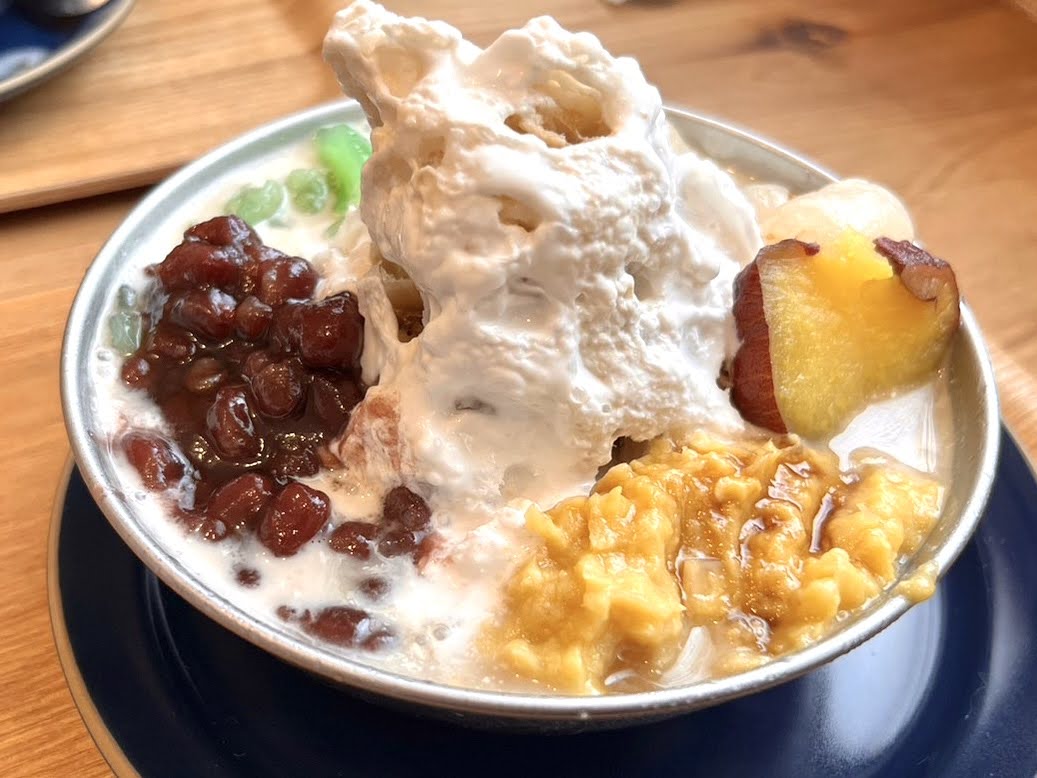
(508, 392)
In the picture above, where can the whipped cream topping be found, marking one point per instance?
(571, 294)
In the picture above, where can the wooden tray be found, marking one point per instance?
(179, 78)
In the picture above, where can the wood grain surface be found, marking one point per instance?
(935, 98)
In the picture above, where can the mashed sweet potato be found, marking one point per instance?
(766, 544)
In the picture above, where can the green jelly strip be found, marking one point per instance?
(308, 189)
(125, 328)
(255, 204)
(343, 151)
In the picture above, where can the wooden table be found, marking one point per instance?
(936, 98)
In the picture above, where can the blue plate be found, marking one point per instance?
(33, 48)
(949, 690)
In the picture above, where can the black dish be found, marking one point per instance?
(950, 689)
(34, 47)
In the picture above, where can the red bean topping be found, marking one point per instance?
(231, 426)
(285, 278)
(405, 509)
(287, 613)
(248, 577)
(374, 588)
(254, 379)
(252, 318)
(239, 502)
(292, 518)
(259, 252)
(334, 403)
(347, 626)
(378, 638)
(278, 388)
(397, 542)
(254, 363)
(137, 373)
(222, 231)
(353, 538)
(208, 313)
(338, 624)
(286, 328)
(331, 332)
(204, 376)
(153, 457)
(193, 265)
(220, 253)
(170, 342)
(213, 530)
(289, 463)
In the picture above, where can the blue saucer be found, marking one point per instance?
(948, 690)
(33, 48)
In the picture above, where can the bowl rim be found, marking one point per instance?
(69, 52)
(377, 681)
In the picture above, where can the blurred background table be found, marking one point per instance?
(934, 98)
